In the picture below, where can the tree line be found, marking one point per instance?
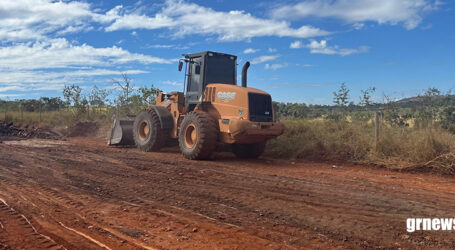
(431, 107)
(127, 98)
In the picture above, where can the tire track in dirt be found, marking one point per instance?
(169, 195)
(16, 224)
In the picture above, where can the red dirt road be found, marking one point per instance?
(80, 194)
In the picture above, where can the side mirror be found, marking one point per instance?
(180, 65)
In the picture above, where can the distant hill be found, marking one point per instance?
(422, 100)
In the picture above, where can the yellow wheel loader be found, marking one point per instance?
(212, 109)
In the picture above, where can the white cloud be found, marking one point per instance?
(275, 66)
(408, 13)
(168, 46)
(10, 95)
(250, 51)
(32, 80)
(22, 20)
(272, 50)
(34, 19)
(296, 45)
(172, 83)
(183, 18)
(48, 65)
(262, 59)
(135, 21)
(358, 26)
(59, 53)
(161, 46)
(322, 48)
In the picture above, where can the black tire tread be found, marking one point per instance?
(208, 135)
(161, 134)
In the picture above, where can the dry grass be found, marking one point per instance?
(397, 148)
(55, 118)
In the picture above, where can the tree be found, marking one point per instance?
(98, 97)
(51, 103)
(148, 95)
(341, 97)
(143, 97)
(365, 99)
(341, 100)
(72, 95)
(126, 87)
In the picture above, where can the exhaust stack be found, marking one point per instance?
(244, 71)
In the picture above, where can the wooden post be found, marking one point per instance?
(6, 109)
(376, 129)
(40, 117)
(88, 112)
(22, 112)
(59, 114)
(118, 110)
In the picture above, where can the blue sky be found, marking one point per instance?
(300, 50)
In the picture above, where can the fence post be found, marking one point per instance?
(118, 110)
(40, 111)
(6, 109)
(59, 114)
(22, 112)
(376, 129)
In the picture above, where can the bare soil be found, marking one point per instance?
(81, 194)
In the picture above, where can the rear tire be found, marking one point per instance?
(147, 131)
(198, 136)
(248, 151)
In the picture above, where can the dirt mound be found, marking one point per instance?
(84, 129)
(9, 130)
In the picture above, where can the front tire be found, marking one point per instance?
(198, 136)
(147, 131)
(248, 151)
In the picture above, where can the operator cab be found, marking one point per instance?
(204, 68)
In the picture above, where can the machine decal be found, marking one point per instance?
(226, 96)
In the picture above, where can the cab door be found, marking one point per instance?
(195, 80)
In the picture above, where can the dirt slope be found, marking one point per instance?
(80, 194)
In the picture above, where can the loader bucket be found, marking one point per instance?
(122, 132)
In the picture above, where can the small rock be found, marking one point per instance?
(293, 163)
(404, 237)
(195, 230)
(427, 238)
(334, 166)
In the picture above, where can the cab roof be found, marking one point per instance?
(200, 54)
